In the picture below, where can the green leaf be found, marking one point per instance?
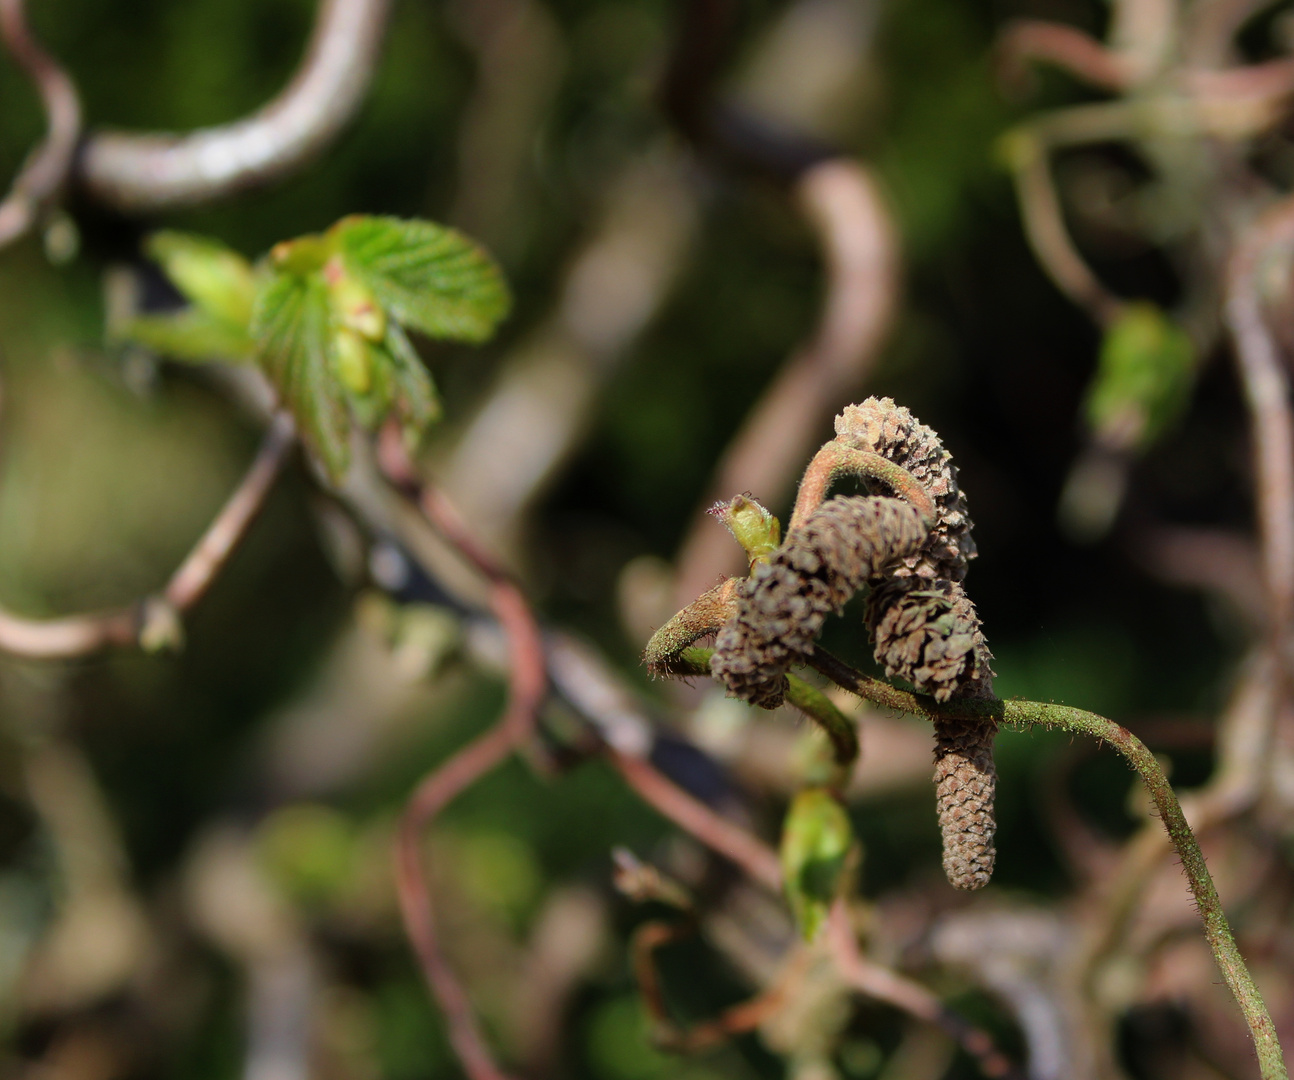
(192, 335)
(293, 328)
(416, 400)
(1143, 379)
(214, 277)
(816, 838)
(431, 278)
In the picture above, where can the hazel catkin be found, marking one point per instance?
(782, 606)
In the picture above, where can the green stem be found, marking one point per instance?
(1217, 930)
(807, 698)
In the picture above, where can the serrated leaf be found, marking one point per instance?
(1143, 379)
(431, 278)
(192, 335)
(293, 328)
(415, 395)
(816, 837)
(212, 276)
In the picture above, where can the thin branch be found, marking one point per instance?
(842, 202)
(43, 176)
(1267, 394)
(1064, 46)
(156, 618)
(883, 984)
(140, 173)
(1045, 229)
(735, 1020)
(527, 687)
(1217, 930)
(757, 859)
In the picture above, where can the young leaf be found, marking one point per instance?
(1143, 378)
(293, 328)
(192, 335)
(816, 838)
(213, 277)
(429, 277)
(415, 394)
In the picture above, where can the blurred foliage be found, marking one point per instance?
(112, 465)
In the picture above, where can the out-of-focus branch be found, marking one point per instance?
(1267, 394)
(46, 171)
(1044, 226)
(527, 686)
(734, 843)
(140, 173)
(1068, 48)
(154, 621)
(883, 984)
(840, 199)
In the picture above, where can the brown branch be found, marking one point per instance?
(43, 176)
(734, 843)
(1267, 394)
(1044, 226)
(141, 173)
(735, 1020)
(883, 984)
(153, 621)
(860, 253)
(527, 687)
(1064, 46)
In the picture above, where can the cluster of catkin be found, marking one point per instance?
(922, 624)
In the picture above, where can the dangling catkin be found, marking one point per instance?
(926, 631)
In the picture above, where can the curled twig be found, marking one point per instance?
(43, 176)
(138, 172)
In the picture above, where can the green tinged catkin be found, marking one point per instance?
(926, 631)
(782, 606)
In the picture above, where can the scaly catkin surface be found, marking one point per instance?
(890, 430)
(782, 606)
(925, 630)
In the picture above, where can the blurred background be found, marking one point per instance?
(195, 846)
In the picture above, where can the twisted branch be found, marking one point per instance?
(145, 173)
(46, 171)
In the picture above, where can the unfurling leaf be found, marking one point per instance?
(816, 838)
(322, 316)
(214, 278)
(429, 277)
(294, 331)
(1143, 379)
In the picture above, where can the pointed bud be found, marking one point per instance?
(354, 302)
(755, 529)
(352, 360)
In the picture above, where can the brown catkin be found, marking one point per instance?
(965, 785)
(926, 631)
(891, 431)
(782, 606)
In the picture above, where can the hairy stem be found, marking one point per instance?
(835, 460)
(1217, 930)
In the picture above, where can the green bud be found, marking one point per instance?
(816, 838)
(352, 360)
(754, 528)
(301, 256)
(354, 302)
